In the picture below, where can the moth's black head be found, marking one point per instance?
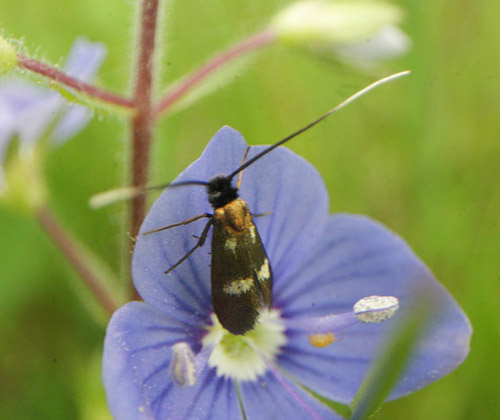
(220, 191)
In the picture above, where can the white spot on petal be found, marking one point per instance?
(376, 308)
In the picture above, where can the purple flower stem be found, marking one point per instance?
(76, 256)
(258, 40)
(61, 77)
(290, 390)
(142, 123)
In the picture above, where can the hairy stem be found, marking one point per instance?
(63, 78)
(142, 123)
(75, 254)
(254, 42)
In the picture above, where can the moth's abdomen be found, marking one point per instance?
(241, 273)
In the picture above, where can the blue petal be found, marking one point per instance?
(357, 257)
(280, 183)
(27, 111)
(84, 60)
(268, 399)
(135, 371)
(211, 398)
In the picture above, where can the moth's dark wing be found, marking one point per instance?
(241, 276)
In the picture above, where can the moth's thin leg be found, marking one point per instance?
(267, 213)
(238, 183)
(185, 222)
(199, 244)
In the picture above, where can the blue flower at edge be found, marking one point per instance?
(322, 264)
(29, 111)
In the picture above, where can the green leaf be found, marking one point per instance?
(90, 102)
(339, 408)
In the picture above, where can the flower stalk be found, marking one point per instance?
(65, 79)
(77, 258)
(142, 123)
(252, 43)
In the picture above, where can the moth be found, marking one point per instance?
(241, 275)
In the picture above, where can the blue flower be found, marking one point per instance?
(169, 358)
(31, 112)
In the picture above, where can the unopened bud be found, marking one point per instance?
(334, 22)
(8, 56)
(22, 186)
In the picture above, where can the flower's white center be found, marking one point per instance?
(241, 357)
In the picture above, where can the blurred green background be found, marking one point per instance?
(421, 155)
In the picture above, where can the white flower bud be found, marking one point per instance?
(334, 23)
(387, 43)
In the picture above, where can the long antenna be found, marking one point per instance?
(327, 114)
(127, 193)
